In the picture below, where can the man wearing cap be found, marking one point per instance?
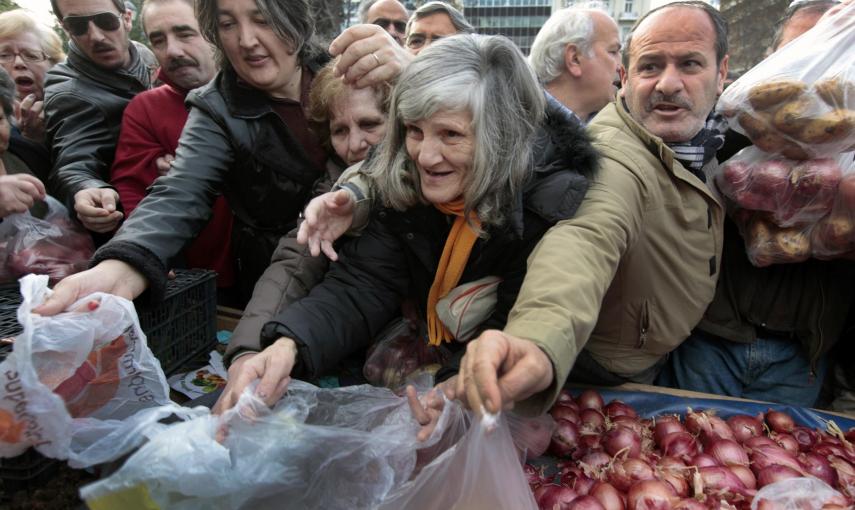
(84, 100)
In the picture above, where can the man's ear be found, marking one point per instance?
(571, 60)
(127, 20)
(722, 73)
(622, 74)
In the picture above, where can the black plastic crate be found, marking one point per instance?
(178, 329)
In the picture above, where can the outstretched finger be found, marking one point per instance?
(419, 412)
(329, 250)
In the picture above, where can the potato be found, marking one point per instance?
(765, 95)
(771, 143)
(835, 91)
(795, 115)
(833, 126)
(769, 244)
(755, 125)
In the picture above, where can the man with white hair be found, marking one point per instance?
(576, 55)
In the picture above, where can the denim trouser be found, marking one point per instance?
(771, 369)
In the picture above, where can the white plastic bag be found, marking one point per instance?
(797, 494)
(81, 386)
(800, 101)
(341, 448)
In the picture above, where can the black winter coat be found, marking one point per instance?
(397, 256)
(233, 143)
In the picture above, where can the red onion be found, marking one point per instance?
(563, 412)
(624, 473)
(533, 476)
(850, 435)
(608, 496)
(565, 438)
(786, 441)
(589, 442)
(630, 422)
(775, 473)
(689, 504)
(754, 442)
(845, 474)
(592, 420)
(554, 497)
(564, 396)
(664, 427)
(623, 441)
(818, 466)
(727, 452)
(618, 408)
(593, 463)
(721, 479)
(703, 460)
(765, 456)
(578, 481)
(680, 444)
(589, 399)
(745, 427)
(746, 475)
(677, 481)
(779, 421)
(671, 464)
(586, 503)
(650, 495)
(827, 449)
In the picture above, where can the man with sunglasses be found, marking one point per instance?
(389, 14)
(84, 101)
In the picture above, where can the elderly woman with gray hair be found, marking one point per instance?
(246, 137)
(458, 200)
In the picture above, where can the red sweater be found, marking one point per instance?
(151, 126)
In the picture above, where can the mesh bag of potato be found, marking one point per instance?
(793, 192)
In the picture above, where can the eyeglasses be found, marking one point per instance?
(416, 41)
(79, 25)
(28, 56)
(400, 26)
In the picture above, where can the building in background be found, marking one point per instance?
(752, 24)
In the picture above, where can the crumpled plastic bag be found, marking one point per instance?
(797, 494)
(352, 447)
(81, 385)
(54, 245)
(401, 353)
(800, 101)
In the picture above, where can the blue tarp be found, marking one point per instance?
(650, 404)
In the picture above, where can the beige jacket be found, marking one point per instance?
(631, 274)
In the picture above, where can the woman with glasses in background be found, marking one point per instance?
(27, 51)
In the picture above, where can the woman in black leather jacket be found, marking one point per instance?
(459, 199)
(246, 137)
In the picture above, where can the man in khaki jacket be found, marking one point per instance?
(610, 292)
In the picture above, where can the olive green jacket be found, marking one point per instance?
(631, 274)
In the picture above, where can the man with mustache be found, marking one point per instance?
(84, 100)
(153, 120)
(610, 292)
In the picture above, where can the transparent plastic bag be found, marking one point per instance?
(800, 101)
(352, 447)
(798, 494)
(793, 192)
(400, 354)
(54, 245)
(766, 243)
(80, 385)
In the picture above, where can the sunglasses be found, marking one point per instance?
(400, 26)
(79, 25)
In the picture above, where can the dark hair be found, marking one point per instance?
(806, 6)
(7, 94)
(717, 20)
(119, 4)
(292, 21)
(146, 3)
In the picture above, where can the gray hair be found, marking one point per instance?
(805, 6)
(567, 26)
(457, 19)
(488, 77)
(7, 95)
(718, 22)
(290, 20)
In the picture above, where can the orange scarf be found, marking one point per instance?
(455, 255)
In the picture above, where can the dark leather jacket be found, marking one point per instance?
(397, 255)
(83, 113)
(235, 144)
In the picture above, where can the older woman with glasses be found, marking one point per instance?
(459, 200)
(246, 137)
(27, 51)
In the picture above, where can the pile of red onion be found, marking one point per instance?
(612, 459)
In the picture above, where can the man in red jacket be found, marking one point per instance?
(152, 124)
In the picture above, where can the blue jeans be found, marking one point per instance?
(770, 369)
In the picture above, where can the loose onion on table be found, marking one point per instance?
(614, 459)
